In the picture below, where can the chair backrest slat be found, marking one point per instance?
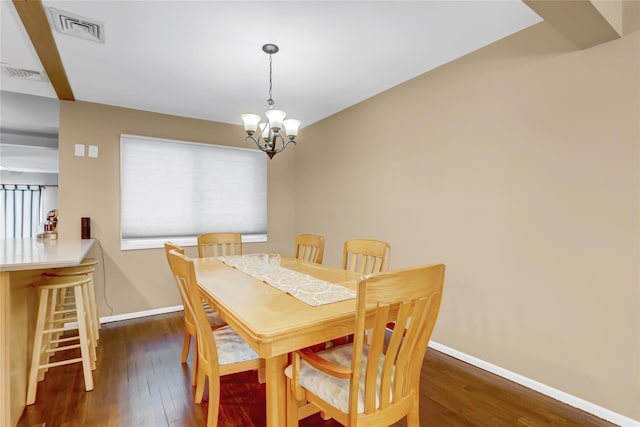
(376, 349)
(410, 345)
(391, 355)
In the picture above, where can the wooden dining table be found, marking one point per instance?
(273, 322)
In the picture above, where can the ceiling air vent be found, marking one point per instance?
(21, 73)
(77, 26)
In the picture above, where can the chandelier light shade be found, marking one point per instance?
(273, 135)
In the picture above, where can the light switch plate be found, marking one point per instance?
(93, 151)
(79, 151)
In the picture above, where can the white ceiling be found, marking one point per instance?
(203, 59)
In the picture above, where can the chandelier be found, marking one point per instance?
(271, 135)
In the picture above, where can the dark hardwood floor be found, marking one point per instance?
(139, 381)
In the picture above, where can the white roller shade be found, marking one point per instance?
(176, 190)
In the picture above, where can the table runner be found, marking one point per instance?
(301, 286)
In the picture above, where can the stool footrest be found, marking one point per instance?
(62, 362)
(65, 319)
(69, 310)
(63, 348)
(63, 329)
(60, 340)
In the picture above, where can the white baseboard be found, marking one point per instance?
(139, 314)
(567, 398)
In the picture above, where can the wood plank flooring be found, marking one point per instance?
(139, 381)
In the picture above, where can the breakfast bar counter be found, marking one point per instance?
(22, 261)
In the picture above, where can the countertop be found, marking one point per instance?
(34, 254)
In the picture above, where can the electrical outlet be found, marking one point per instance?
(93, 151)
(79, 151)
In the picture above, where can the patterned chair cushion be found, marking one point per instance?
(232, 348)
(336, 390)
(213, 316)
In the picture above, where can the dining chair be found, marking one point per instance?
(373, 381)
(310, 247)
(219, 244)
(213, 318)
(221, 352)
(365, 256)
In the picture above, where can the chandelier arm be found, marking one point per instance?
(260, 146)
(284, 143)
(256, 141)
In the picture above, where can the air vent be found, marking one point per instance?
(77, 26)
(21, 73)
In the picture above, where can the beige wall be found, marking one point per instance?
(517, 166)
(139, 280)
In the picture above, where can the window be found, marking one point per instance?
(21, 206)
(176, 190)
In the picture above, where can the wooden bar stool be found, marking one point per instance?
(86, 267)
(52, 323)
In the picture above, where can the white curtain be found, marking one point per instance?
(21, 206)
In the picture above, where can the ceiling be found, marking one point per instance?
(203, 59)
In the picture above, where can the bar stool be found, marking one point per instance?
(51, 324)
(86, 267)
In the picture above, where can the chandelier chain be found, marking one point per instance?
(270, 101)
